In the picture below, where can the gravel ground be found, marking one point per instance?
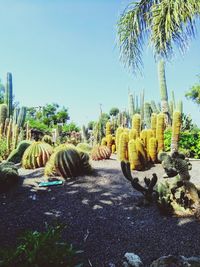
(102, 215)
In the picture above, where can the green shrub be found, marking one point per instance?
(8, 176)
(41, 249)
(189, 143)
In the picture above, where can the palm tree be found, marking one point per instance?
(163, 22)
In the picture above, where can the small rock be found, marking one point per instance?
(132, 260)
(111, 264)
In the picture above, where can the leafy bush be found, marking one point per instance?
(41, 249)
(189, 143)
(36, 124)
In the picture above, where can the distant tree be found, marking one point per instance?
(114, 111)
(62, 115)
(91, 125)
(70, 127)
(194, 94)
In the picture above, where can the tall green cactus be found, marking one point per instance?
(131, 108)
(142, 105)
(163, 91)
(3, 113)
(21, 117)
(154, 107)
(15, 115)
(9, 94)
(147, 115)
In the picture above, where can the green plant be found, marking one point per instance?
(36, 155)
(41, 249)
(189, 141)
(47, 139)
(8, 176)
(17, 154)
(3, 148)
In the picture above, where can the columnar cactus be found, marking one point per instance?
(108, 128)
(15, 135)
(150, 134)
(136, 123)
(3, 113)
(118, 133)
(142, 105)
(153, 146)
(9, 94)
(132, 134)
(142, 153)
(176, 126)
(21, 117)
(154, 107)
(9, 136)
(36, 155)
(160, 131)
(135, 163)
(104, 141)
(109, 140)
(122, 151)
(180, 106)
(153, 123)
(143, 137)
(147, 115)
(131, 108)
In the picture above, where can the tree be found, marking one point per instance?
(194, 94)
(162, 22)
(114, 111)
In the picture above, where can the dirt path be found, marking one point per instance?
(102, 216)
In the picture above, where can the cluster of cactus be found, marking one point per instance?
(100, 152)
(36, 155)
(140, 146)
(148, 190)
(11, 128)
(177, 194)
(109, 139)
(8, 176)
(68, 162)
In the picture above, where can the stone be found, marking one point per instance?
(176, 261)
(132, 260)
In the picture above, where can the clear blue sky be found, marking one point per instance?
(64, 51)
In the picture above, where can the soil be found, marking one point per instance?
(103, 214)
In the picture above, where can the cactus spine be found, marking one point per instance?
(176, 126)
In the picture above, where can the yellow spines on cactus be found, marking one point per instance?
(122, 151)
(136, 123)
(143, 137)
(153, 144)
(108, 128)
(133, 156)
(109, 140)
(15, 136)
(132, 134)
(113, 149)
(149, 135)
(160, 127)
(104, 141)
(141, 150)
(118, 133)
(153, 123)
(176, 126)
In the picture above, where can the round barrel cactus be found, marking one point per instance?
(68, 162)
(16, 155)
(8, 176)
(100, 153)
(36, 155)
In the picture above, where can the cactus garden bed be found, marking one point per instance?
(104, 215)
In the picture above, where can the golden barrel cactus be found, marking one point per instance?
(100, 153)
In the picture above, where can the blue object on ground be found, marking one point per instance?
(50, 183)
